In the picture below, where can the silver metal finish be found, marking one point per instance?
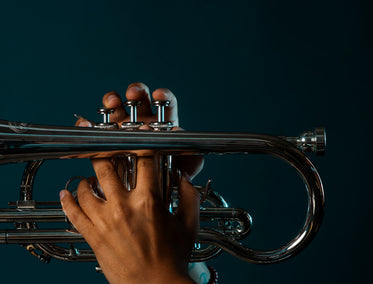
(106, 124)
(58, 235)
(34, 215)
(25, 142)
(21, 142)
(160, 106)
(131, 160)
(161, 124)
(27, 182)
(133, 123)
(45, 240)
(310, 141)
(131, 171)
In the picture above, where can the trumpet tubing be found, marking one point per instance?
(224, 226)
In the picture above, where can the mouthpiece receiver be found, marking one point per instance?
(310, 141)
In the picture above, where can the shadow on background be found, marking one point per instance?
(265, 66)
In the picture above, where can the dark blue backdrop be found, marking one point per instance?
(276, 67)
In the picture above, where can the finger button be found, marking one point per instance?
(161, 124)
(133, 124)
(106, 124)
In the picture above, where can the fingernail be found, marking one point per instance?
(136, 88)
(84, 123)
(112, 98)
(62, 194)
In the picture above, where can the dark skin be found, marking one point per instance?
(134, 237)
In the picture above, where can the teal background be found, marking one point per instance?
(278, 67)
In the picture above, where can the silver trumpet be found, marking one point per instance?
(223, 226)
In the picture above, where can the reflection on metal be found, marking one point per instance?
(222, 228)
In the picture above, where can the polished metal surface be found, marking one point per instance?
(20, 142)
(133, 123)
(106, 124)
(310, 141)
(160, 109)
(58, 235)
(161, 124)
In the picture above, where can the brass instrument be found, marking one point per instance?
(34, 144)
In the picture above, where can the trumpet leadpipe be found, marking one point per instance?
(21, 142)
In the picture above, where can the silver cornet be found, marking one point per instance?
(224, 226)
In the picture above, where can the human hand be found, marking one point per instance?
(134, 237)
(190, 165)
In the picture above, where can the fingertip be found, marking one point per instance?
(112, 100)
(62, 194)
(67, 201)
(163, 94)
(74, 213)
(139, 86)
(82, 122)
(137, 91)
(145, 127)
(177, 128)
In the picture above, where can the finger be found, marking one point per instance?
(82, 122)
(96, 189)
(108, 178)
(188, 210)
(87, 200)
(113, 101)
(170, 114)
(191, 165)
(75, 214)
(140, 92)
(119, 165)
(147, 176)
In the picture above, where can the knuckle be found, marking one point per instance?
(120, 214)
(83, 183)
(82, 192)
(147, 162)
(148, 203)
